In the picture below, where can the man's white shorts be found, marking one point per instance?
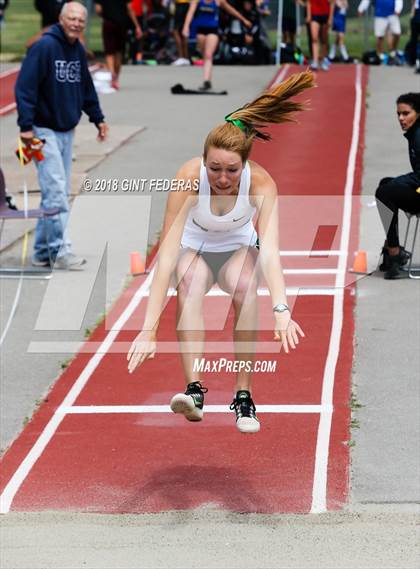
(382, 24)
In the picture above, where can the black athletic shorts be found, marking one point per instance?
(289, 25)
(215, 261)
(113, 36)
(320, 19)
(180, 15)
(205, 31)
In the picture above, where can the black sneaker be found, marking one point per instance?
(393, 271)
(246, 419)
(190, 404)
(206, 86)
(387, 260)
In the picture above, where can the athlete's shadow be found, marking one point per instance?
(189, 487)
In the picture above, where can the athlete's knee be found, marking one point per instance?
(245, 290)
(193, 284)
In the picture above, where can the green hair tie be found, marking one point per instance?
(236, 122)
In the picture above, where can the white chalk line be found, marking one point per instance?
(315, 253)
(281, 75)
(117, 409)
(290, 291)
(319, 489)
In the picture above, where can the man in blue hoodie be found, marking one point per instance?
(53, 88)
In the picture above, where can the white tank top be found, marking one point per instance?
(205, 231)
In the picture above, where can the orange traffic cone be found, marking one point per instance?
(137, 266)
(360, 262)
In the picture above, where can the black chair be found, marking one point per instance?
(6, 213)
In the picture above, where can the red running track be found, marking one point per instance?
(7, 85)
(105, 441)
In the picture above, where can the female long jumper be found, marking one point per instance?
(208, 236)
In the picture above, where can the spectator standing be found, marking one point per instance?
(181, 42)
(206, 14)
(116, 17)
(135, 44)
(289, 22)
(339, 27)
(319, 16)
(54, 86)
(387, 18)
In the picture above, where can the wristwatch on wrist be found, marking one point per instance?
(281, 308)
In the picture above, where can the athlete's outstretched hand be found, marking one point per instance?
(287, 330)
(143, 348)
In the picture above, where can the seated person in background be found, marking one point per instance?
(402, 192)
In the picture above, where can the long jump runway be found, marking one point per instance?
(106, 441)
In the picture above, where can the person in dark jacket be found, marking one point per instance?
(402, 192)
(53, 88)
(49, 10)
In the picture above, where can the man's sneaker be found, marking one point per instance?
(190, 404)
(69, 262)
(40, 262)
(246, 419)
(206, 86)
(387, 260)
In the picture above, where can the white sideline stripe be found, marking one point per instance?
(311, 271)
(7, 108)
(38, 448)
(316, 253)
(4, 74)
(280, 76)
(319, 489)
(99, 409)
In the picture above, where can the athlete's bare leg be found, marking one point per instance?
(239, 278)
(208, 45)
(194, 280)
